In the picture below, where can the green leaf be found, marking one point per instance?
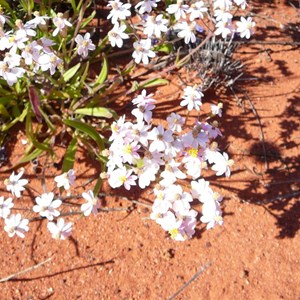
(30, 135)
(103, 74)
(88, 20)
(71, 72)
(46, 118)
(87, 129)
(20, 118)
(69, 158)
(96, 112)
(3, 111)
(154, 82)
(29, 157)
(167, 48)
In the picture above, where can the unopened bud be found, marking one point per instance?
(103, 175)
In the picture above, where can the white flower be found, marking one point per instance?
(15, 184)
(192, 98)
(143, 112)
(142, 51)
(143, 99)
(179, 9)
(49, 61)
(146, 5)
(60, 24)
(10, 74)
(224, 29)
(24, 30)
(38, 20)
(223, 4)
(155, 26)
(60, 230)
(84, 44)
(241, 3)
(223, 15)
(31, 53)
(2, 19)
(222, 164)
(187, 31)
(120, 177)
(92, 204)
(211, 214)
(16, 225)
(117, 35)
(196, 10)
(160, 138)
(119, 11)
(46, 206)
(66, 179)
(244, 27)
(5, 206)
(201, 190)
(216, 109)
(175, 122)
(171, 173)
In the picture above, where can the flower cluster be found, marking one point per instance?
(26, 51)
(46, 206)
(182, 17)
(141, 153)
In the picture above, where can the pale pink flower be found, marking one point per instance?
(120, 177)
(160, 138)
(117, 35)
(179, 9)
(119, 11)
(60, 230)
(244, 27)
(46, 206)
(146, 6)
(15, 184)
(142, 51)
(222, 164)
(14, 224)
(192, 98)
(5, 206)
(187, 31)
(66, 179)
(84, 44)
(196, 10)
(155, 26)
(60, 22)
(92, 203)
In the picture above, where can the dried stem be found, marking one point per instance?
(194, 277)
(24, 271)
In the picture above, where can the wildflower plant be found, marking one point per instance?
(46, 82)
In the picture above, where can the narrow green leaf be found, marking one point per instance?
(96, 112)
(29, 157)
(30, 135)
(103, 74)
(21, 118)
(154, 82)
(88, 20)
(69, 158)
(46, 118)
(98, 186)
(87, 129)
(71, 72)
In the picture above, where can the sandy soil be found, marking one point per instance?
(255, 255)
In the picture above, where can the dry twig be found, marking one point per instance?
(194, 277)
(25, 271)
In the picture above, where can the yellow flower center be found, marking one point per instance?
(173, 232)
(193, 152)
